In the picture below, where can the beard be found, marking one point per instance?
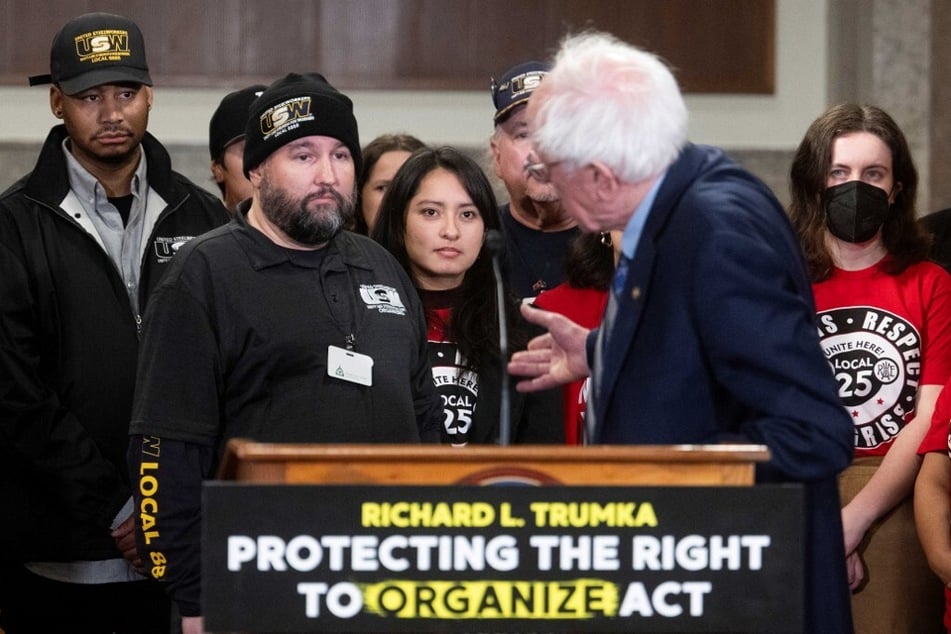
(300, 219)
(540, 192)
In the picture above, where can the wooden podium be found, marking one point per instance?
(662, 465)
(432, 538)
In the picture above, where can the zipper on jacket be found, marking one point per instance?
(60, 213)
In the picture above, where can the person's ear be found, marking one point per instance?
(56, 102)
(217, 172)
(896, 189)
(604, 179)
(494, 148)
(255, 176)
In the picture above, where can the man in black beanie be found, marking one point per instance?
(279, 327)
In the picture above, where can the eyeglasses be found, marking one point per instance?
(537, 169)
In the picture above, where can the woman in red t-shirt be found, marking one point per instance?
(884, 320)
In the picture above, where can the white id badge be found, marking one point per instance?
(348, 365)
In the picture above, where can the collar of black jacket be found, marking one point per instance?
(49, 182)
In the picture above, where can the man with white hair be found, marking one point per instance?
(709, 335)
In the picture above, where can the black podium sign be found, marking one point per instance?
(308, 558)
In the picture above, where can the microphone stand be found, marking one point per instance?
(495, 244)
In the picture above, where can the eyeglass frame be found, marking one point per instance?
(538, 169)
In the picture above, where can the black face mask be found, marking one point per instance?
(855, 210)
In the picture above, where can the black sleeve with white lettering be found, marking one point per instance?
(167, 477)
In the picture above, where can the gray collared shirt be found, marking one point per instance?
(123, 243)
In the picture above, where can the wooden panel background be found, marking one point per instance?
(715, 46)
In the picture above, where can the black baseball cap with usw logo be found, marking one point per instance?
(96, 49)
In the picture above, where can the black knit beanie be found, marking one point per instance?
(296, 106)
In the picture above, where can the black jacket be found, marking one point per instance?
(68, 349)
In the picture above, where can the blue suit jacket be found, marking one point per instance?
(715, 341)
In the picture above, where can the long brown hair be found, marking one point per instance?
(904, 240)
(474, 321)
(372, 153)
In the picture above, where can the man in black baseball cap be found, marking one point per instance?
(538, 231)
(95, 49)
(97, 63)
(84, 239)
(226, 144)
(515, 87)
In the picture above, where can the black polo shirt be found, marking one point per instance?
(236, 343)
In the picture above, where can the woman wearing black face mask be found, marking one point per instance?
(884, 318)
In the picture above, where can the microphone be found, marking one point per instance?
(495, 245)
